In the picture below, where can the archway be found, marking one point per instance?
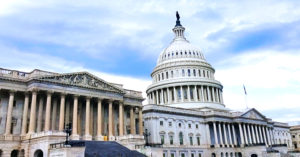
(14, 153)
(38, 153)
(213, 155)
(253, 155)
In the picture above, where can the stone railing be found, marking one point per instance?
(10, 137)
(13, 73)
(48, 133)
(133, 93)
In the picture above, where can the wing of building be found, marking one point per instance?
(36, 106)
(186, 115)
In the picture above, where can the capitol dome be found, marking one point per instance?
(183, 78)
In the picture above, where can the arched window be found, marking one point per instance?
(180, 138)
(194, 71)
(183, 72)
(189, 72)
(213, 155)
(38, 153)
(222, 155)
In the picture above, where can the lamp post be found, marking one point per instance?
(68, 130)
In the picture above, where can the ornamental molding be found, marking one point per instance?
(80, 79)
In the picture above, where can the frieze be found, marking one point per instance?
(81, 79)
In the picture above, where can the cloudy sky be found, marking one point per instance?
(256, 43)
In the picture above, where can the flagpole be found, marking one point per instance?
(246, 102)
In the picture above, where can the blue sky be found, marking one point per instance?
(255, 43)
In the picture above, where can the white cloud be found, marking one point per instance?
(272, 80)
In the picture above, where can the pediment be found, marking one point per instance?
(253, 114)
(81, 79)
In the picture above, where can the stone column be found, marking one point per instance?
(260, 134)
(265, 138)
(256, 134)
(245, 133)
(75, 136)
(175, 95)
(221, 97)
(208, 134)
(215, 134)
(202, 94)
(121, 119)
(110, 119)
(62, 112)
(162, 101)
(234, 135)
(253, 134)
(9, 112)
(195, 93)
(181, 93)
(221, 136)
(208, 94)
(48, 111)
(169, 96)
(157, 99)
(241, 134)
(141, 130)
(213, 94)
(229, 132)
(40, 114)
(67, 112)
(217, 95)
(87, 135)
(189, 93)
(249, 134)
(99, 120)
(32, 113)
(54, 110)
(268, 135)
(225, 133)
(25, 112)
(132, 121)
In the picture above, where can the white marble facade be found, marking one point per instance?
(187, 116)
(36, 106)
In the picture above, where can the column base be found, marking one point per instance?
(112, 138)
(99, 138)
(74, 137)
(9, 137)
(87, 137)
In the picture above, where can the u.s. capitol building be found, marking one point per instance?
(186, 115)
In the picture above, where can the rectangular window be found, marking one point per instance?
(182, 72)
(167, 75)
(171, 140)
(170, 123)
(161, 123)
(190, 125)
(191, 140)
(194, 71)
(185, 93)
(162, 76)
(199, 155)
(196, 126)
(172, 74)
(162, 139)
(172, 155)
(198, 141)
(189, 72)
(192, 155)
